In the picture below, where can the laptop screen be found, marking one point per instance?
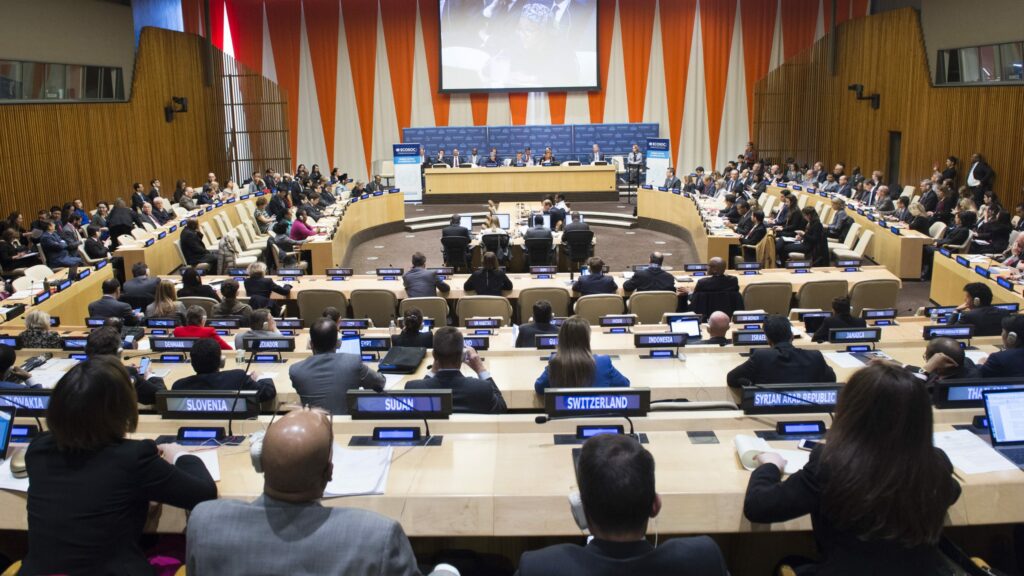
(689, 325)
(6, 420)
(504, 221)
(1005, 412)
(350, 345)
(466, 222)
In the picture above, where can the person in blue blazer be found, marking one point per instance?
(574, 365)
(595, 282)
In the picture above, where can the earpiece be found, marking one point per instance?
(977, 302)
(1011, 339)
(576, 505)
(256, 450)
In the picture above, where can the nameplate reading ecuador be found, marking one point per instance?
(597, 401)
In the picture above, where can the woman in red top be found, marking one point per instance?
(195, 327)
(300, 229)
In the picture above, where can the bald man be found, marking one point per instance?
(716, 281)
(718, 325)
(286, 530)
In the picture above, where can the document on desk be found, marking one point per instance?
(8, 481)
(844, 359)
(747, 447)
(391, 381)
(970, 454)
(359, 472)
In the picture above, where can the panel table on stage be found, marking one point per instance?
(527, 182)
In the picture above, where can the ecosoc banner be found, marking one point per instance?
(658, 152)
(407, 171)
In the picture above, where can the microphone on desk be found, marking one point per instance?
(543, 419)
(238, 392)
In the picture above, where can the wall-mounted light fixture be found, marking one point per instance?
(859, 90)
(178, 105)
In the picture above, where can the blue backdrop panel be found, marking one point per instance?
(614, 139)
(462, 137)
(567, 141)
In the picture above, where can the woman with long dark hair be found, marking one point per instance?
(574, 365)
(411, 335)
(877, 490)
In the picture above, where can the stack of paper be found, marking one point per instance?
(970, 454)
(359, 472)
(8, 481)
(748, 447)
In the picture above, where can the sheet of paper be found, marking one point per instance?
(359, 472)
(970, 454)
(160, 373)
(8, 481)
(748, 447)
(64, 364)
(46, 378)
(843, 359)
(976, 356)
(391, 380)
(20, 294)
(212, 462)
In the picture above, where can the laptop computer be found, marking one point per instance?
(1005, 412)
(6, 424)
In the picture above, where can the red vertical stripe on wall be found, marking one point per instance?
(717, 21)
(556, 106)
(430, 24)
(799, 19)
(361, 39)
(636, 20)
(758, 20)
(245, 17)
(191, 15)
(676, 40)
(322, 34)
(517, 105)
(861, 8)
(842, 11)
(400, 39)
(478, 102)
(285, 21)
(605, 29)
(217, 23)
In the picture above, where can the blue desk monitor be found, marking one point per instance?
(597, 401)
(400, 405)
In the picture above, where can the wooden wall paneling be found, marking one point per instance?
(95, 151)
(804, 112)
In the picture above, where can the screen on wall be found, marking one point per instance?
(518, 45)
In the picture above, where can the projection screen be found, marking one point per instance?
(518, 45)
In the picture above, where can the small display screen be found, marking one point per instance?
(749, 318)
(207, 404)
(161, 322)
(695, 267)
(855, 335)
(798, 264)
(879, 313)
(354, 324)
(229, 323)
(477, 342)
(289, 323)
(198, 434)
(390, 271)
(547, 342)
(276, 344)
(535, 270)
(171, 343)
(674, 340)
(74, 343)
(749, 338)
(339, 272)
(585, 432)
(955, 332)
(969, 393)
(374, 344)
(625, 320)
(384, 404)
(748, 266)
(483, 323)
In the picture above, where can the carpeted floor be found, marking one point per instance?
(618, 247)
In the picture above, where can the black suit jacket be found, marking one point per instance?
(745, 223)
(782, 364)
(723, 283)
(455, 230)
(595, 284)
(982, 173)
(488, 282)
(109, 307)
(821, 334)
(192, 246)
(413, 340)
(142, 287)
(754, 236)
(697, 556)
(529, 331)
(138, 199)
(471, 395)
(987, 320)
(228, 380)
(842, 552)
(86, 510)
(954, 236)
(929, 200)
(651, 278)
(672, 182)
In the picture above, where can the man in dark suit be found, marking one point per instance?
(978, 311)
(439, 158)
(278, 205)
(106, 341)
(1009, 362)
(840, 318)
(595, 282)
(138, 196)
(541, 324)
(902, 213)
(752, 238)
(206, 361)
(651, 278)
(670, 179)
(538, 230)
(478, 395)
(141, 285)
(883, 203)
(324, 379)
(109, 306)
(577, 224)
(716, 281)
(979, 178)
(782, 362)
(454, 228)
(193, 248)
(746, 218)
(617, 491)
(845, 188)
(944, 359)
(420, 282)
(929, 199)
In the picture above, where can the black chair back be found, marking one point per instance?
(538, 251)
(497, 243)
(456, 251)
(579, 244)
(136, 302)
(704, 303)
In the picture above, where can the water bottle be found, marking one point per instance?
(392, 329)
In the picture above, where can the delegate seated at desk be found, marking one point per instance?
(573, 365)
(716, 281)
(1008, 362)
(206, 361)
(595, 282)
(977, 310)
(651, 278)
(324, 379)
(411, 335)
(478, 395)
(840, 318)
(420, 282)
(782, 363)
(540, 325)
(488, 280)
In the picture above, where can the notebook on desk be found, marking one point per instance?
(1005, 412)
